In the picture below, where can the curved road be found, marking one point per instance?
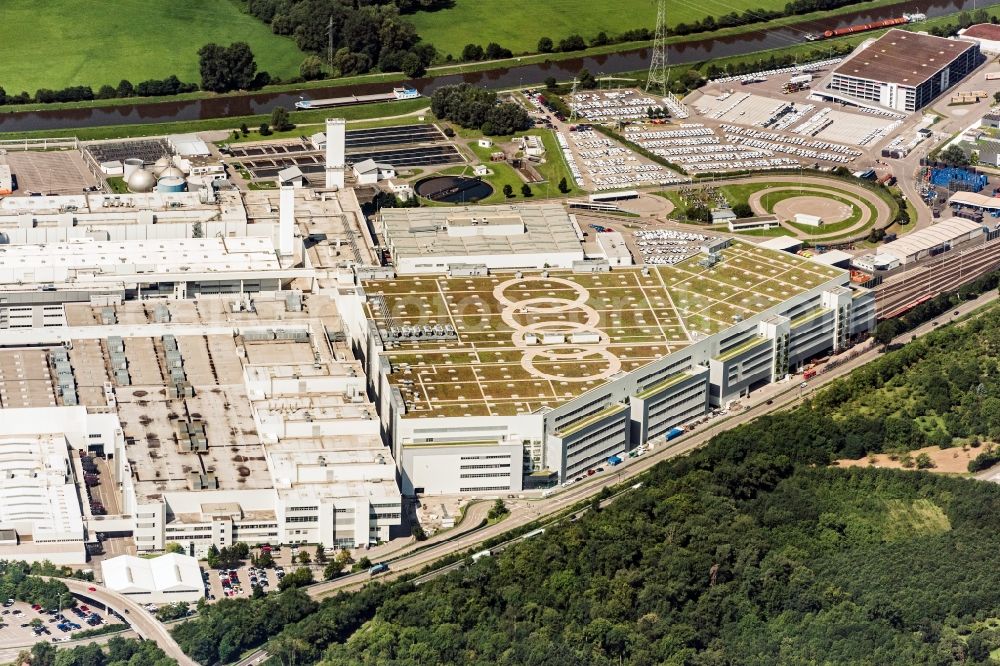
(142, 623)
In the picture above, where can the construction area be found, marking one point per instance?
(503, 345)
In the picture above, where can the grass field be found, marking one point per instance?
(518, 24)
(60, 43)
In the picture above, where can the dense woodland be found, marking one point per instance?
(117, 652)
(755, 550)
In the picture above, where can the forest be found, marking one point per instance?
(755, 549)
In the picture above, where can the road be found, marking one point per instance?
(142, 623)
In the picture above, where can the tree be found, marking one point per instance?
(280, 120)
(923, 461)
(412, 66)
(545, 45)
(742, 209)
(563, 185)
(227, 68)
(244, 129)
(105, 92)
(298, 578)
(311, 68)
(173, 547)
(551, 83)
(332, 569)
(496, 52)
(212, 556)
(418, 532)
(125, 88)
(572, 43)
(885, 331)
(320, 554)
(498, 510)
(362, 564)
(304, 557)
(287, 649)
(585, 80)
(264, 129)
(526, 190)
(954, 156)
(472, 52)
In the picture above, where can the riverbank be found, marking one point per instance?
(464, 68)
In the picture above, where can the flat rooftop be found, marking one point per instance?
(540, 341)
(479, 230)
(903, 57)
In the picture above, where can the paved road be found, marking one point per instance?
(142, 623)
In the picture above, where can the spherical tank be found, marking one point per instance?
(141, 181)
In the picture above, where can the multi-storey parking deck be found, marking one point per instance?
(541, 339)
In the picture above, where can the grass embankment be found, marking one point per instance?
(62, 43)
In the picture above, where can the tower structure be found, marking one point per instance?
(336, 147)
(658, 71)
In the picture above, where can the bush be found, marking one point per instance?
(984, 460)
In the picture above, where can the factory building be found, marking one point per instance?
(433, 240)
(544, 375)
(903, 70)
(987, 35)
(932, 240)
(167, 579)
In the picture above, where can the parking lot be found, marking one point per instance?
(54, 172)
(605, 164)
(23, 624)
(239, 582)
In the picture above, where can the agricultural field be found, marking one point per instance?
(518, 24)
(62, 43)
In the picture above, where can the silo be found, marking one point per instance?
(131, 165)
(171, 184)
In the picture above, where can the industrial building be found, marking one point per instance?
(902, 70)
(167, 579)
(504, 380)
(433, 240)
(987, 35)
(932, 240)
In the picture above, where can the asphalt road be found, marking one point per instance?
(142, 622)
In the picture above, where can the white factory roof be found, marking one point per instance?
(172, 572)
(833, 257)
(290, 173)
(930, 237)
(189, 145)
(37, 495)
(369, 165)
(56, 262)
(613, 245)
(480, 230)
(975, 199)
(781, 243)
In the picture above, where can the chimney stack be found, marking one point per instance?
(286, 221)
(336, 149)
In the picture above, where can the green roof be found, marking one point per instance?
(666, 383)
(579, 425)
(746, 346)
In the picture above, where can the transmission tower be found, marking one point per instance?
(658, 72)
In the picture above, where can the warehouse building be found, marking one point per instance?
(167, 579)
(511, 380)
(432, 240)
(932, 240)
(903, 70)
(987, 35)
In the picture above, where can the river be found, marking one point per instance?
(626, 61)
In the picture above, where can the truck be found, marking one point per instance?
(809, 374)
(674, 433)
(381, 567)
(480, 555)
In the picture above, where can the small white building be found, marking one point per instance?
(481, 170)
(113, 168)
(485, 143)
(403, 191)
(875, 262)
(188, 145)
(165, 579)
(532, 145)
(318, 141)
(614, 248)
(808, 220)
(369, 172)
(291, 176)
